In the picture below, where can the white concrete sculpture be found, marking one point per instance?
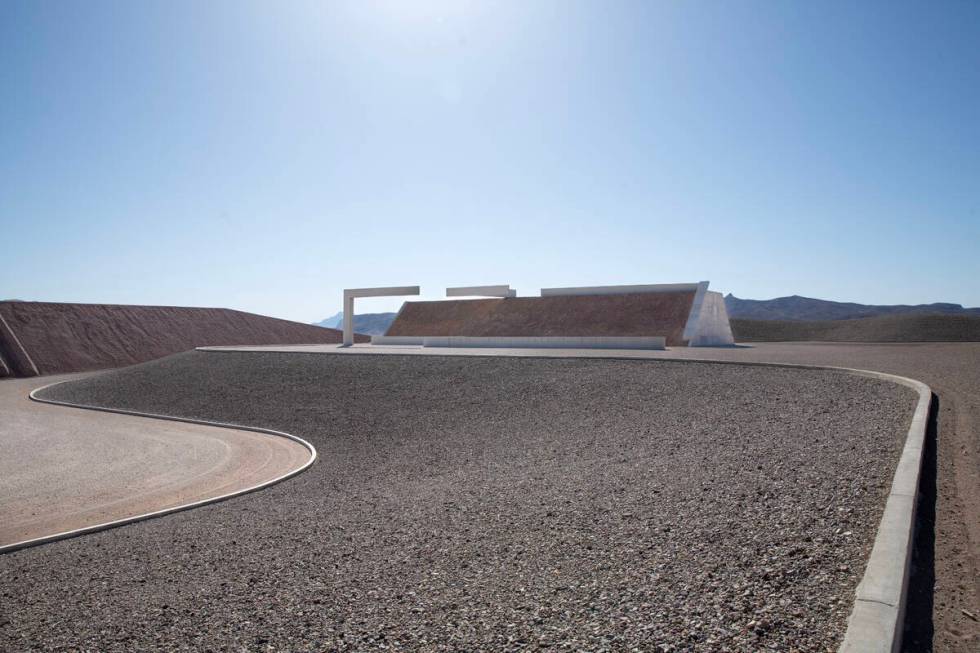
(693, 318)
(351, 293)
(481, 291)
(711, 326)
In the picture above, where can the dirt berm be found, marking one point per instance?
(51, 338)
(637, 314)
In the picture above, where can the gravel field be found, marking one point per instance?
(488, 504)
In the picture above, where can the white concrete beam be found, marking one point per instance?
(390, 291)
(620, 290)
(481, 291)
(351, 293)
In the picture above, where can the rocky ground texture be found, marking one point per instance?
(488, 504)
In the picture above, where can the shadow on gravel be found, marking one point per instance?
(918, 613)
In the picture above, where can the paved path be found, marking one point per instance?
(953, 372)
(66, 468)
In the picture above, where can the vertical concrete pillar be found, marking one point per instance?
(348, 319)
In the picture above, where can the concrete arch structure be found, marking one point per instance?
(350, 294)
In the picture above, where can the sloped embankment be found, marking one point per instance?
(52, 338)
(637, 314)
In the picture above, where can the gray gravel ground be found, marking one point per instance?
(488, 504)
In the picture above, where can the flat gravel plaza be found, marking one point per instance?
(488, 503)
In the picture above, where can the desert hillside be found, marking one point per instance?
(52, 338)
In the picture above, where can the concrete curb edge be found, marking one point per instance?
(15, 546)
(877, 619)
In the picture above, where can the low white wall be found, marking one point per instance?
(548, 342)
(396, 340)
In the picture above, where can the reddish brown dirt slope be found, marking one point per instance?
(57, 338)
(641, 314)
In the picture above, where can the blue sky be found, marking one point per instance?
(263, 156)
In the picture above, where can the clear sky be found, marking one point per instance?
(263, 156)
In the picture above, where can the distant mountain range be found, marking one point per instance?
(806, 308)
(371, 324)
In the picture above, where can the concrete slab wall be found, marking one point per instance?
(711, 326)
(695, 312)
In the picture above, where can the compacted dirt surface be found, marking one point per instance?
(475, 503)
(63, 469)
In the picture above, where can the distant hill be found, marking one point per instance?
(332, 322)
(881, 328)
(372, 324)
(806, 308)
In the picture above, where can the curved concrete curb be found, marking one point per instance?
(877, 619)
(165, 511)
(876, 622)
